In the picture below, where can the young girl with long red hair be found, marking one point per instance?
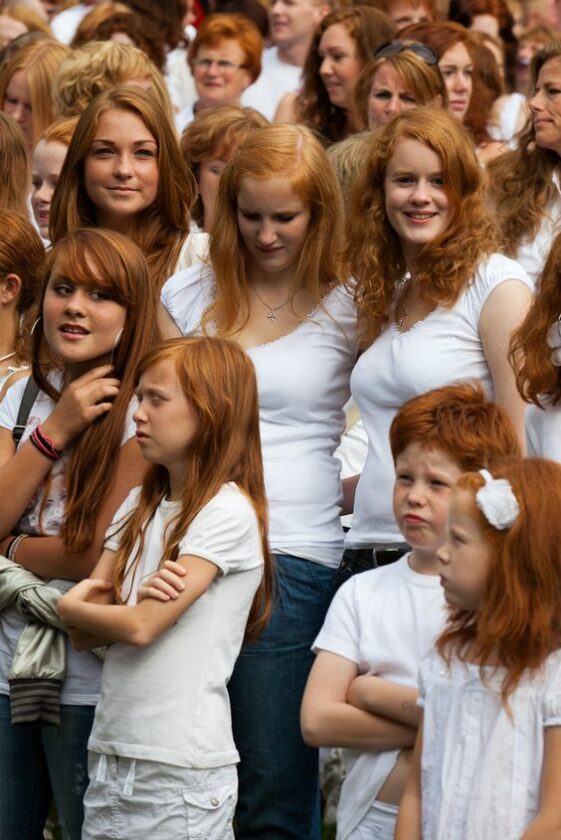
(488, 754)
(162, 755)
(60, 486)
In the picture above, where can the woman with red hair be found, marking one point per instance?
(225, 58)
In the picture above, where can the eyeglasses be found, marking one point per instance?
(223, 66)
(394, 47)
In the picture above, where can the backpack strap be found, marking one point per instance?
(29, 397)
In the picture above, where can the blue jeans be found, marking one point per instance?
(38, 763)
(278, 773)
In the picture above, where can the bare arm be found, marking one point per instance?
(408, 826)
(503, 312)
(547, 824)
(21, 472)
(328, 720)
(380, 697)
(168, 327)
(349, 491)
(47, 556)
(286, 111)
(135, 625)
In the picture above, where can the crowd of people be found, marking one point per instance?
(280, 424)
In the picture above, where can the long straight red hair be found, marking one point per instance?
(519, 618)
(219, 382)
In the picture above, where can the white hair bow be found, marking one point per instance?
(497, 502)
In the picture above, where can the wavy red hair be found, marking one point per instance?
(459, 420)
(538, 380)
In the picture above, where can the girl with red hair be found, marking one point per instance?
(491, 690)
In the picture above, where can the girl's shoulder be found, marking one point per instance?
(226, 532)
(496, 268)
(187, 294)
(231, 503)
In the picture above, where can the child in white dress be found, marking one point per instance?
(162, 755)
(487, 761)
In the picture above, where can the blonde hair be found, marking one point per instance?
(40, 62)
(31, 19)
(14, 165)
(347, 159)
(162, 227)
(294, 154)
(447, 264)
(100, 66)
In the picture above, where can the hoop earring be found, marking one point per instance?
(35, 324)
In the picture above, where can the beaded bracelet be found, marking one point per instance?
(45, 445)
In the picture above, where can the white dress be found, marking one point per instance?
(481, 769)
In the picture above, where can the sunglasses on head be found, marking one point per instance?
(394, 47)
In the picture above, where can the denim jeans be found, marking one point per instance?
(278, 773)
(38, 763)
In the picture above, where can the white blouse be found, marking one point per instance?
(481, 768)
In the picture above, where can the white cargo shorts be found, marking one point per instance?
(133, 799)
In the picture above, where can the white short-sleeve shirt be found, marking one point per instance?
(385, 621)
(443, 349)
(168, 701)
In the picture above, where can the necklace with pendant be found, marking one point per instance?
(271, 314)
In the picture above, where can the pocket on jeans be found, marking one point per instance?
(210, 812)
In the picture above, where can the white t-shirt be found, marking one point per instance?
(443, 349)
(384, 621)
(303, 383)
(44, 518)
(277, 78)
(168, 702)
(533, 253)
(481, 769)
(65, 24)
(179, 79)
(543, 432)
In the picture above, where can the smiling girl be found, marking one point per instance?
(59, 489)
(429, 287)
(124, 171)
(343, 43)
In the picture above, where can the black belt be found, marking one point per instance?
(356, 560)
